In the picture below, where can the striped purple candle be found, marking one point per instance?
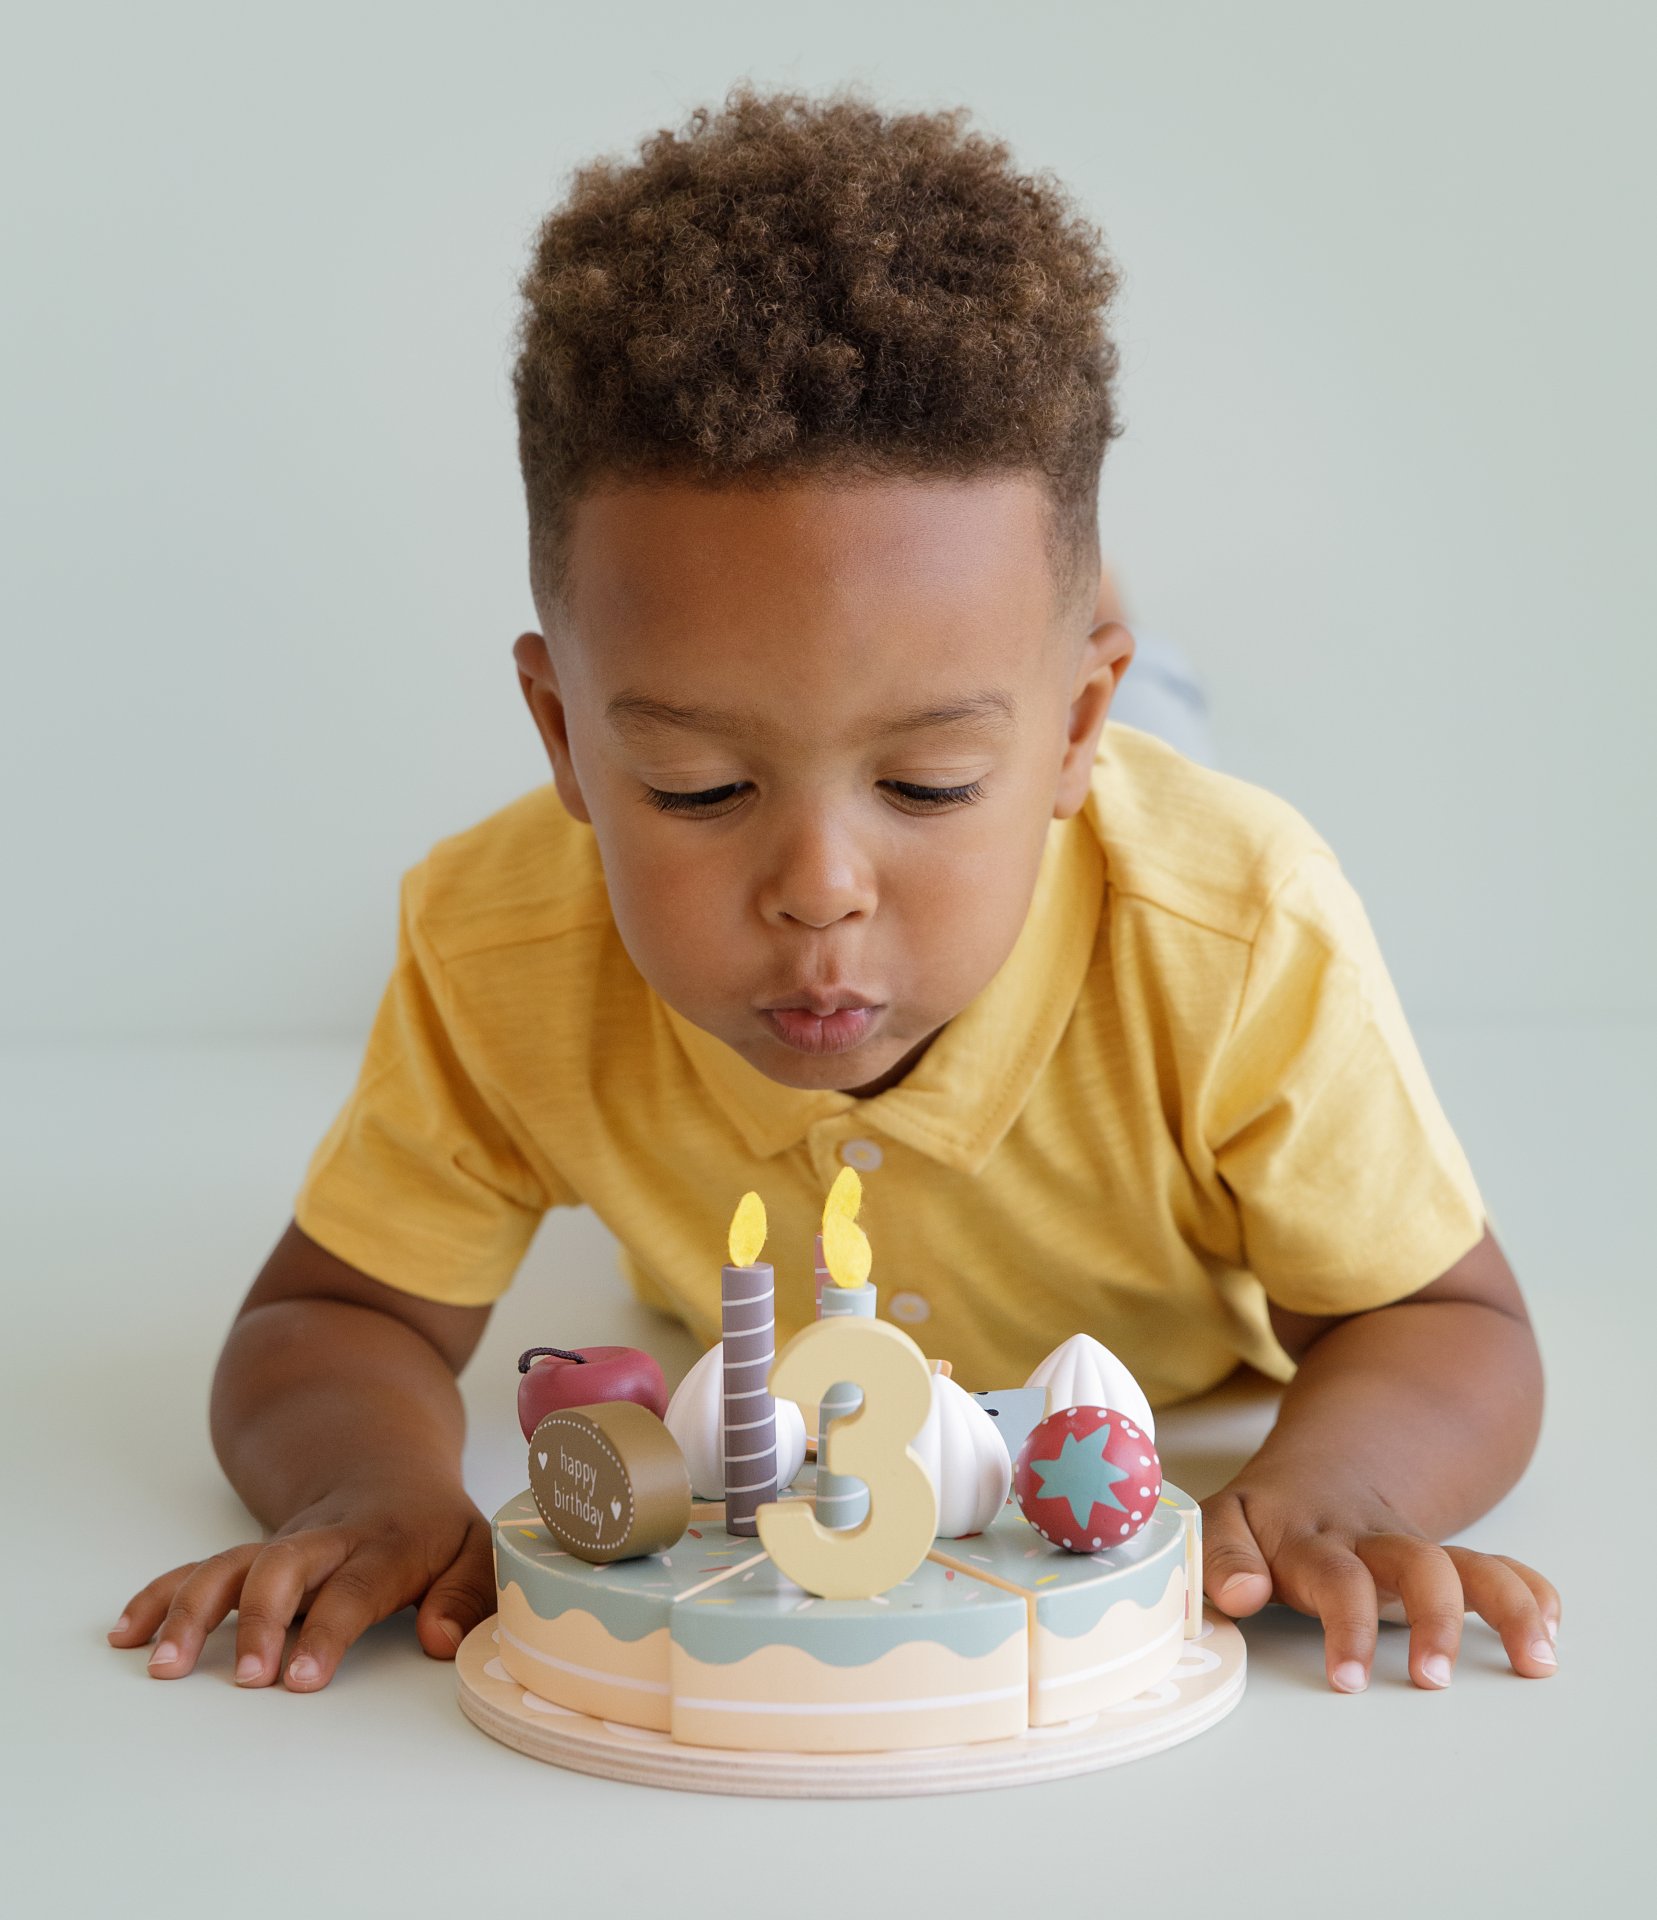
(746, 1299)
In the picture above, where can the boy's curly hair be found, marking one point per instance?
(794, 288)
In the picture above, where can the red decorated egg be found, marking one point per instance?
(1087, 1478)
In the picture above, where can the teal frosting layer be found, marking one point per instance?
(763, 1607)
(1072, 1591)
(632, 1597)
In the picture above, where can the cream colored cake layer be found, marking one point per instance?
(1130, 1649)
(594, 1638)
(1103, 1626)
(916, 1695)
(575, 1662)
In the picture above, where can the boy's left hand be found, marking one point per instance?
(1402, 1423)
(1341, 1554)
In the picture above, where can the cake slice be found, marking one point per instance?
(595, 1638)
(936, 1661)
(1102, 1626)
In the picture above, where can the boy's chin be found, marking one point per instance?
(844, 1073)
(860, 1071)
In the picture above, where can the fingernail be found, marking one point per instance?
(1436, 1668)
(249, 1667)
(450, 1632)
(1543, 1654)
(1236, 1581)
(1553, 1630)
(1350, 1677)
(122, 1624)
(302, 1671)
(164, 1654)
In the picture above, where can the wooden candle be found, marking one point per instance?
(844, 1197)
(842, 1501)
(747, 1311)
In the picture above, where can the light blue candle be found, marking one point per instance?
(842, 1501)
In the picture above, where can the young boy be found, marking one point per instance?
(841, 864)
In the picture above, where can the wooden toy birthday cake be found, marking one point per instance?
(953, 1568)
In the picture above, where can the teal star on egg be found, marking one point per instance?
(1081, 1475)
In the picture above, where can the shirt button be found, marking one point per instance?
(908, 1309)
(862, 1154)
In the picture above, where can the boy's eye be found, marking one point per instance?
(713, 801)
(710, 800)
(934, 799)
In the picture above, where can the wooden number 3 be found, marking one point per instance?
(873, 1445)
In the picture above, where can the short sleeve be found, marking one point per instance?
(419, 1181)
(1351, 1188)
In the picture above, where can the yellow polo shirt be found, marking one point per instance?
(1190, 1087)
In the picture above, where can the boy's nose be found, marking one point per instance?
(817, 881)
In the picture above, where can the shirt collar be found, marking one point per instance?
(957, 1103)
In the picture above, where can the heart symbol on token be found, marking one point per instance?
(615, 1508)
(543, 1460)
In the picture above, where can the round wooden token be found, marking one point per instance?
(609, 1480)
(1203, 1687)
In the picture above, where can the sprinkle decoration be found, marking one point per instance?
(1087, 1479)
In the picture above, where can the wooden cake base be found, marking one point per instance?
(1203, 1687)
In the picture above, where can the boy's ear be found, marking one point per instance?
(540, 687)
(1106, 654)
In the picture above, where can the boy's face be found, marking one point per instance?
(819, 733)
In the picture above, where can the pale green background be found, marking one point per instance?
(1386, 477)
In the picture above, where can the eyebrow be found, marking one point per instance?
(991, 711)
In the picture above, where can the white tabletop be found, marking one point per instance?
(142, 1188)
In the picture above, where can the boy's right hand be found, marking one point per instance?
(336, 1415)
(351, 1560)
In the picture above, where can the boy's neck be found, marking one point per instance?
(898, 1071)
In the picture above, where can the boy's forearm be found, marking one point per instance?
(311, 1395)
(1434, 1405)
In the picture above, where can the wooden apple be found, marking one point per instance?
(557, 1377)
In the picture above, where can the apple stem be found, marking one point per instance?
(527, 1359)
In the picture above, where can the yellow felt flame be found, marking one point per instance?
(846, 1250)
(747, 1230)
(845, 1196)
